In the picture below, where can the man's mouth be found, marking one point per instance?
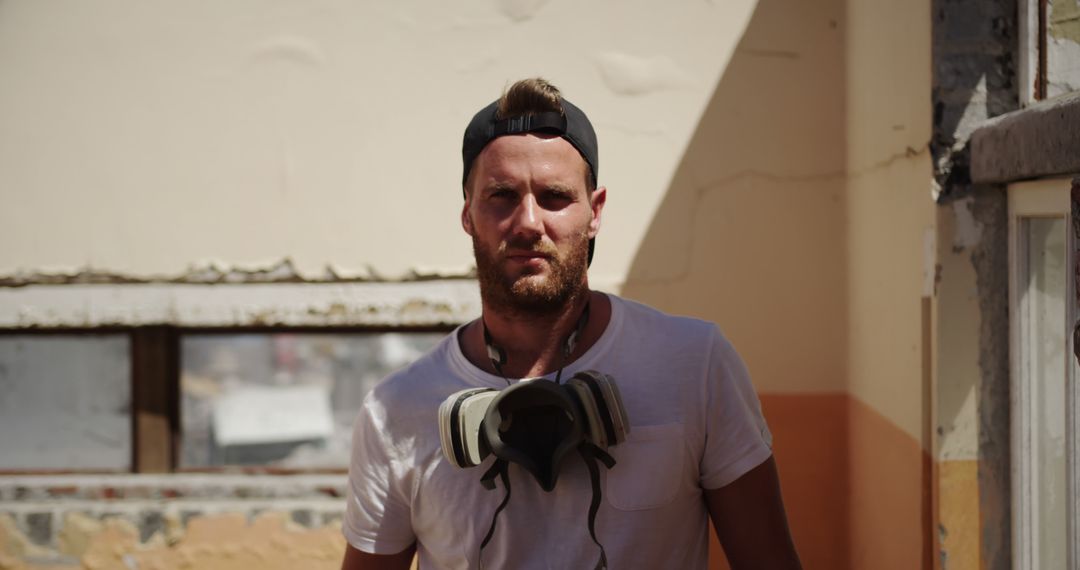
(534, 250)
(527, 255)
(528, 260)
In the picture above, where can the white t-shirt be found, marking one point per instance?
(695, 424)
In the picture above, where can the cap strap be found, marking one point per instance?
(528, 123)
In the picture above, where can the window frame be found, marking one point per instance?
(155, 364)
(1043, 198)
(1032, 72)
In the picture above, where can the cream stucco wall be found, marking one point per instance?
(890, 208)
(751, 230)
(766, 159)
(143, 138)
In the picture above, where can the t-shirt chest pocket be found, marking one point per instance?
(649, 467)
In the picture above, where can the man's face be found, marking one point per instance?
(531, 217)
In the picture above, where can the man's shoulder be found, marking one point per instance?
(638, 314)
(412, 381)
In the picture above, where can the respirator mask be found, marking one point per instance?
(536, 423)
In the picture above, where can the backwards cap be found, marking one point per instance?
(571, 124)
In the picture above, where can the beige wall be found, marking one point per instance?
(767, 164)
(890, 235)
(890, 208)
(143, 138)
(750, 232)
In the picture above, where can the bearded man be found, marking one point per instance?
(681, 431)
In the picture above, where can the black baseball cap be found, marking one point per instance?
(571, 124)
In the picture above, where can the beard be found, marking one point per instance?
(527, 292)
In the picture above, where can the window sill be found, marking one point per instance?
(1038, 141)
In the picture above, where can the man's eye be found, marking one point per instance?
(557, 198)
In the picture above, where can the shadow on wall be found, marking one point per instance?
(751, 234)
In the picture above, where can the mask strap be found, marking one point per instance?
(572, 340)
(591, 453)
(495, 353)
(498, 356)
(499, 468)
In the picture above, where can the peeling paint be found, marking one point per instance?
(15, 543)
(958, 439)
(521, 10)
(224, 541)
(968, 231)
(1063, 60)
(171, 521)
(627, 74)
(416, 303)
(212, 274)
(1063, 20)
(77, 533)
(974, 77)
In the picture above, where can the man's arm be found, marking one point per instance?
(360, 560)
(750, 521)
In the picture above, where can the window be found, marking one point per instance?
(65, 400)
(282, 399)
(274, 398)
(1050, 48)
(1046, 412)
(166, 377)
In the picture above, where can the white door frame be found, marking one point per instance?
(1046, 198)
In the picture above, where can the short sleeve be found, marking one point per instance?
(737, 438)
(377, 513)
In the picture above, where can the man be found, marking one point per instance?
(697, 445)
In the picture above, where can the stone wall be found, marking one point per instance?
(174, 521)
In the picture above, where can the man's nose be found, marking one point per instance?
(527, 217)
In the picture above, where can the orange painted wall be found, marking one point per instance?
(890, 494)
(810, 434)
(810, 439)
(856, 486)
(958, 514)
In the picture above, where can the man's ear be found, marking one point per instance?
(466, 219)
(596, 203)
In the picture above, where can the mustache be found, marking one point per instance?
(530, 245)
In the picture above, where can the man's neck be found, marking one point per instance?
(534, 344)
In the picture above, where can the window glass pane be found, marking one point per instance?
(1044, 298)
(283, 400)
(65, 402)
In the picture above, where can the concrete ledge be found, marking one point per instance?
(420, 303)
(1041, 140)
(56, 488)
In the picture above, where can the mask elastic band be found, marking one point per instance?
(498, 356)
